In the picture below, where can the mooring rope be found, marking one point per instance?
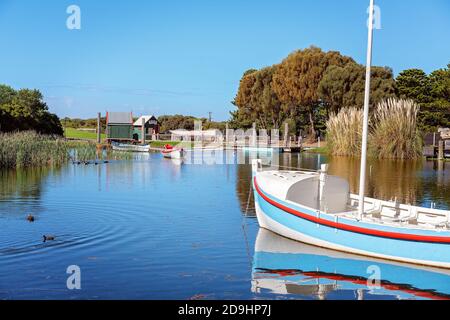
(244, 227)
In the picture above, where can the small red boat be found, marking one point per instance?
(171, 152)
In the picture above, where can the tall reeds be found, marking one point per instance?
(393, 131)
(344, 132)
(85, 152)
(30, 149)
(395, 134)
(26, 149)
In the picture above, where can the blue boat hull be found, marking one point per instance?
(295, 268)
(419, 246)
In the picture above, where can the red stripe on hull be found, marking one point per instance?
(346, 227)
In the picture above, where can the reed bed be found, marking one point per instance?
(30, 149)
(26, 149)
(86, 152)
(395, 134)
(393, 131)
(344, 132)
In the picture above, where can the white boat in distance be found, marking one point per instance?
(130, 147)
(171, 152)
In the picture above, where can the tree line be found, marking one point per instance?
(166, 122)
(25, 109)
(310, 84)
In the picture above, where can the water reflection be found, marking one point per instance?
(26, 183)
(385, 180)
(243, 189)
(140, 226)
(415, 182)
(282, 266)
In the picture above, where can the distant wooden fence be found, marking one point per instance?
(437, 144)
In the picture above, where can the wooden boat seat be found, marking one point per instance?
(425, 219)
(413, 214)
(380, 211)
(376, 208)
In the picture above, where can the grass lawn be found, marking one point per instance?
(161, 144)
(318, 150)
(81, 134)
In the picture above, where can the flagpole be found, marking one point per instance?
(362, 176)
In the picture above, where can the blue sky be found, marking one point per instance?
(187, 56)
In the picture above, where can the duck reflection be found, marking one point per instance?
(282, 266)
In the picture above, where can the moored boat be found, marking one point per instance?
(171, 152)
(130, 147)
(316, 208)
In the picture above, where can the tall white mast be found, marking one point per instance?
(362, 176)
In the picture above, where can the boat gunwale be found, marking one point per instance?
(413, 237)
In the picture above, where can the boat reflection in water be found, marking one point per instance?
(285, 267)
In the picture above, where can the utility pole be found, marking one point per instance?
(210, 116)
(99, 128)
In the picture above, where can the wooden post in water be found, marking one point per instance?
(441, 150)
(254, 136)
(227, 134)
(143, 131)
(99, 128)
(286, 134)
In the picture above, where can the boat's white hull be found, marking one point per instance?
(424, 247)
(173, 154)
(131, 148)
(272, 225)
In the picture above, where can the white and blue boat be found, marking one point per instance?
(285, 267)
(318, 209)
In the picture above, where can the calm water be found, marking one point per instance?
(155, 229)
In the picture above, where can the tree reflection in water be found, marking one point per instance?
(416, 182)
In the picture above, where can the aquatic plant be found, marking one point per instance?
(25, 149)
(395, 133)
(86, 152)
(344, 132)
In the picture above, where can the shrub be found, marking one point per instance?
(394, 133)
(344, 132)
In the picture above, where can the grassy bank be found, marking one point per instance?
(321, 150)
(72, 133)
(161, 144)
